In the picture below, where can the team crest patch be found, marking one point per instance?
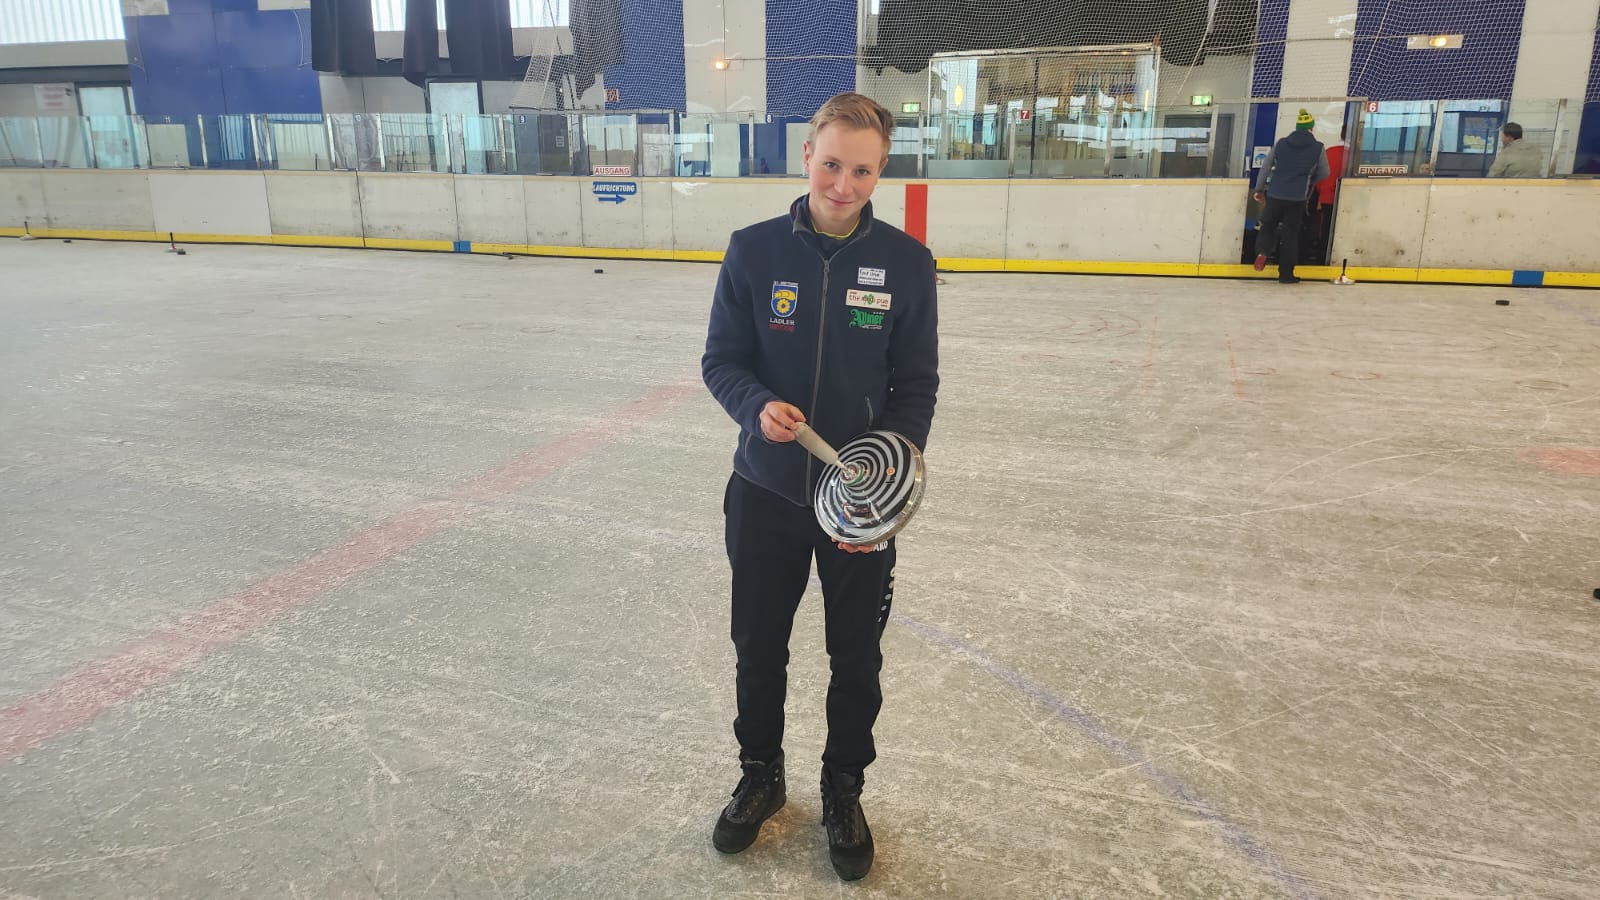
(785, 298)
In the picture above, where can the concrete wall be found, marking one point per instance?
(113, 201)
(225, 203)
(1381, 222)
(1177, 226)
(322, 204)
(1469, 224)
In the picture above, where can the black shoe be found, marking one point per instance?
(849, 838)
(1291, 279)
(759, 794)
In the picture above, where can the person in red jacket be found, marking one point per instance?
(1324, 199)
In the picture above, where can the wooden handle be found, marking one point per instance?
(815, 445)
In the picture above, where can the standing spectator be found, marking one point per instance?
(1292, 169)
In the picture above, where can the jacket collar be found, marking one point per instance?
(800, 218)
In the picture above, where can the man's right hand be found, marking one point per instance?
(778, 420)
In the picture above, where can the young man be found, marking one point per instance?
(1517, 158)
(824, 316)
(1293, 166)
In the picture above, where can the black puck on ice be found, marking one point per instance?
(67, 241)
(1502, 303)
(599, 271)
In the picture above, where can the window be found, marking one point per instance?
(60, 21)
(390, 15)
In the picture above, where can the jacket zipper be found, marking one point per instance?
(816, 372)
(869, 411)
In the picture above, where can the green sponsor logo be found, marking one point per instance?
(865, 318)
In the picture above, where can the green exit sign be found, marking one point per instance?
(910, 108)
(1200, 100)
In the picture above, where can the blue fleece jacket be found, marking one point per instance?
(850, 338)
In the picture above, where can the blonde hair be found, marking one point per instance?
(854, 111)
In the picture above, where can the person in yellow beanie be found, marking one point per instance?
(1291, 171)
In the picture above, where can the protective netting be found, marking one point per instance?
(787, 56)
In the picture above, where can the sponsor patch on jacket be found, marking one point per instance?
(785, 298)
(870, 277)
(867, 299)
(868, 319)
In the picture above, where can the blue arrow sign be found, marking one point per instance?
(615, 192)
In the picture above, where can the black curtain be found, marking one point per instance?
(910, 31)
(420, 58)
(596, 38)
(479, 35)
(341, 37)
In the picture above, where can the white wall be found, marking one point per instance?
(1316, 63)
(724, 29)
(1223, 78)
(19, 100)
(386, 94)
(893, 87)
(74, 53)
(499, 95)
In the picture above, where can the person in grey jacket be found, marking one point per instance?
(1288, 176)
(1517, 158)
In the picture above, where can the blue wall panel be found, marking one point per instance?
(257, 40)
(650, 75)
(1588, 161)
(1266, 76)
(265, 90)
(183, 91)
(1483, 68)
(811, 49)
(208, 57)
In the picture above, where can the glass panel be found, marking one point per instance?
(1549, 126)
(404, 142)
(298, 143)
(655, 145)
(485, 154)
(19, 142)
(117, 142)
(1181, 144)
(541, 143)
(1397, 139)
(612, 142)
(63, 142)
(170, 143)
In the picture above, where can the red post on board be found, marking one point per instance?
(917, 212)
